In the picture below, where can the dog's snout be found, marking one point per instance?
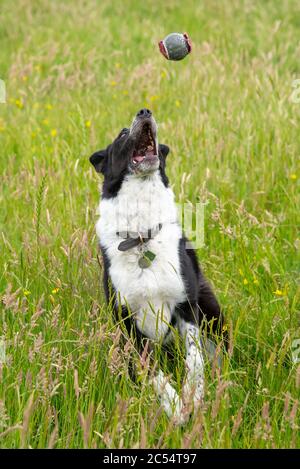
(144, 113)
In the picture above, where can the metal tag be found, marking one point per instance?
(144, 262)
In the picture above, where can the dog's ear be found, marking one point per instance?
(163, 150)
(99, 159)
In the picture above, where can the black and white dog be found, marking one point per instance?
(150, 273)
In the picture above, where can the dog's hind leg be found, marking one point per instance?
(193, 387)
(169, 399)
(209, 308)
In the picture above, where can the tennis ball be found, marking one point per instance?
(175, 46)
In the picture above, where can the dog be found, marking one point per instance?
(151, 274)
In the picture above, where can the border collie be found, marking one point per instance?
(151, 273)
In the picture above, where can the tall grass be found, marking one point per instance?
(76, 73)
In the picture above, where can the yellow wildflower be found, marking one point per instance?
(118, 65)
(24, 78)
(45, 121)
(177, 103)
(255, 281)
(154, 98)
(49, 107)
(26, 292)
(163, 74)
(293, 177)
(55, 290)
(113, 83)
(19, 103)
(245, 281)
(278, 292)
(88, 124)
(53, 133)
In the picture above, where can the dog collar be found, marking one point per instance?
(133, 239)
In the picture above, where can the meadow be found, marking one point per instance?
(75, 75)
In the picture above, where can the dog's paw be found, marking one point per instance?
(170, 400)
(182, 417)
(177, 412)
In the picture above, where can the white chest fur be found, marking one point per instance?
(150, 293)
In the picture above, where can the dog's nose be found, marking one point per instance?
(144, 113)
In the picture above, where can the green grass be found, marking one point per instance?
(76, 73)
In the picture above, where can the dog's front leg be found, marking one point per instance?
(193, 387)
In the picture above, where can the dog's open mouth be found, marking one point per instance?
(145, 149)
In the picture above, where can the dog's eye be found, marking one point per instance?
(123, 133)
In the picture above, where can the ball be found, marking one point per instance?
(175, 46)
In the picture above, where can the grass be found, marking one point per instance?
(75, 75)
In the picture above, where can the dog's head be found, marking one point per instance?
(135, 151)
